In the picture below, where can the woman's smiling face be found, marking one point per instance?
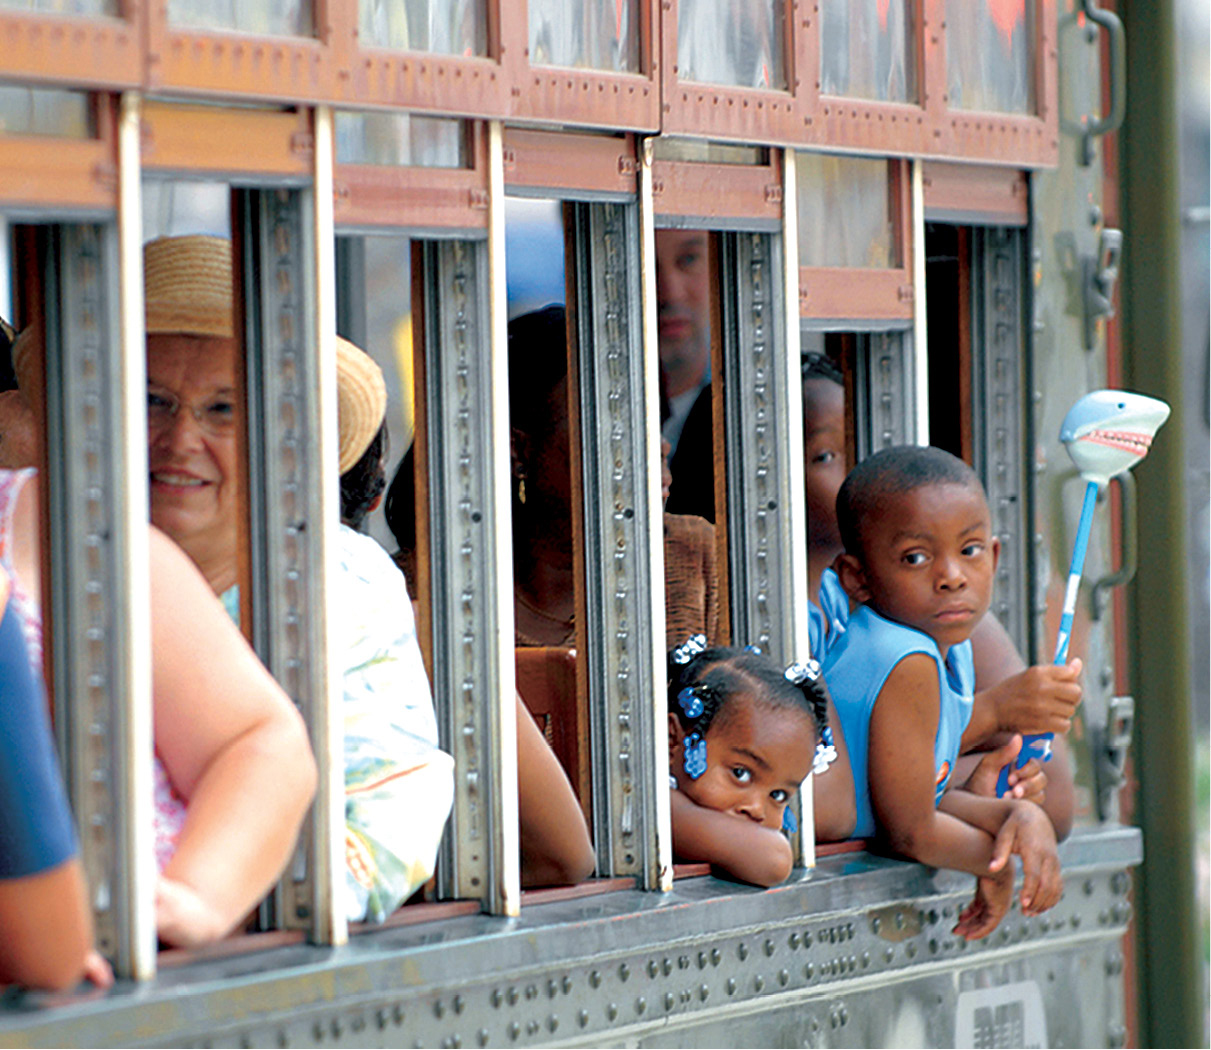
(757, 756)
(194, 413)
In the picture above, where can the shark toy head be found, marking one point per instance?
(1108, 431)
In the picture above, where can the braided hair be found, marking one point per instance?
(702, 681)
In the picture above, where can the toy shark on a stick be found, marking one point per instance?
(1107, 432)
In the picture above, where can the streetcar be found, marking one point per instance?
(925, 193)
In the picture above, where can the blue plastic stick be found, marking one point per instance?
(1039, 745)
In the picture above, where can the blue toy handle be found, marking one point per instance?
(1038, 745)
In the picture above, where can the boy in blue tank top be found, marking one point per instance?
(920, 557)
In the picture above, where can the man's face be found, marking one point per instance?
(683, 304)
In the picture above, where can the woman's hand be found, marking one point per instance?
(184, 918)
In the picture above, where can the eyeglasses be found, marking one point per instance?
(217, 416)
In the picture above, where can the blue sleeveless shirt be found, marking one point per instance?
(857, 662)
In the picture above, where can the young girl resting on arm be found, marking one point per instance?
(743, 735)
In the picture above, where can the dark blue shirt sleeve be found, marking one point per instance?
(36, 831)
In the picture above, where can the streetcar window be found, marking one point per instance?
(732, 42)
(603, 34)
(456, 27)
(45, 111)
(869, 51)
(991, 55)
(847, 212)
(399, 139)
(264, 17)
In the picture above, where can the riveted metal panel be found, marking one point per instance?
(463, 558)
(883, 378)
(858, 952)
(998, 365)
(758, 466)
(618, 540)
(286, 513)
(105, 738)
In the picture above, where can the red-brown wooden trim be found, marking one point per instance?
(425, 911)
(690, 871)
(426, 83)
(286, 68)
(833, 849)
(80, 52)
(975, 194)
(236, 944)
(221, 141)
(846, 293)
(591, 888)
(718, 191)
(570, 161)
(427, 198)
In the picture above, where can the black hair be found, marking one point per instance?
(400, 506)
(363, 482)
(538, 360)
(718, 674)
(893, 472)
(820, 366)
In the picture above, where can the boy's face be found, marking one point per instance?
(928, 561)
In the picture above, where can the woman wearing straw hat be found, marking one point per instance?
(191, 365)
(234, 772)
(399, 786)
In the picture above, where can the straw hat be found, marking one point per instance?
(361, 398)
(187, 285)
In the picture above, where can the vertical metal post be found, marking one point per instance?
(1172, 995)
(471, 661)
(796, 494)
(920, 332)
(622, 525)
(999, 412)
(651, 408)
(293, 510)
(467, 384)
(757, 392)
(884, 377)
(99, 599)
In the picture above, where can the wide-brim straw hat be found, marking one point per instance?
(187, 285)
(361, 397)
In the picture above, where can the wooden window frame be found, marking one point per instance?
(53, 172)
(58, 48)
(928, 127)
(975, 195)
(567, 164)
(837, 293)
(718, 196)
(233, 65)
(724, 112)
(405, 197)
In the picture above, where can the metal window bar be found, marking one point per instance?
(758, 466)
(623, 545)
(999, 444)
(101, 667)
(884, 386)
(471, 564)
(762, 396)
(289, 524)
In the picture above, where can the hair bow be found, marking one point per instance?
(802, 671)
(692, 646)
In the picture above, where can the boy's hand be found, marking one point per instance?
(987, 907)
(1028, 833)
(1028, 783)
(1041, 699)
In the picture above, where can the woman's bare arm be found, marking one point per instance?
(555, 844)
(233, 745)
